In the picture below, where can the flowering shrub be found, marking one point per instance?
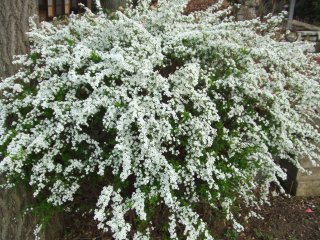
(156, 107)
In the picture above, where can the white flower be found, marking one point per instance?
(164, 106)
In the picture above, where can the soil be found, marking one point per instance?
(292, 218)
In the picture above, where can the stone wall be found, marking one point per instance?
(248, 9)
(113, 4)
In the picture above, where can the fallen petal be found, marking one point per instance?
(308, 210)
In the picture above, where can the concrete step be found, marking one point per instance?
(302, 184)
(315, 174)
(310, 188)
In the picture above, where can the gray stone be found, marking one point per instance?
(302, 183)
(113, 4)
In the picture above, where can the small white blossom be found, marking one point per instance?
(166, 107)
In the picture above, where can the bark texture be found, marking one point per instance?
(14, 225)
(14, 23)
(14, 19)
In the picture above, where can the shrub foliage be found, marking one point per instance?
(153, 106)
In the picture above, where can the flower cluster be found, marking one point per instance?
(153, 106)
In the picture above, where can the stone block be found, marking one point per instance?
(308, 188)
(302, 183)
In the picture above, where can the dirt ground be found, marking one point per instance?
(286, 219)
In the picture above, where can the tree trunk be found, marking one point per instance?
(14, 19)
(16, 226)
(14, 23)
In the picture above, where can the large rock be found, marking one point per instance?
(113, 4)
(302, 183)
(248, 9)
